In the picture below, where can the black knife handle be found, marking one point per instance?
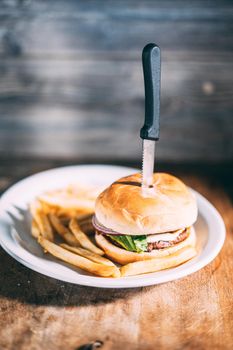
(151, 62)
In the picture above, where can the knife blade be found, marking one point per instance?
(151, 61)
(148, 156)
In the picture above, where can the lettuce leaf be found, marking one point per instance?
(132, 243)
(140, 243)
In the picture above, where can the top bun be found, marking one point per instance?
(167, 206)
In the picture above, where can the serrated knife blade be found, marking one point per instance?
(148, 156)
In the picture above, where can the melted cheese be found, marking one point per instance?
(167, 236)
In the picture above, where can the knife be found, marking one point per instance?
(149, 133)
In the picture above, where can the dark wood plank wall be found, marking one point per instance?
(71, 81)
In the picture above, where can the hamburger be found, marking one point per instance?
(134, 224)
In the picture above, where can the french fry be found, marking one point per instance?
(63, 231)
(46, 208)
(35, 229)
(76, 260)
(82, 238)
(71, 213)
(65, 211)
(44, 226)
(71, 202)
(88, 254)
(42, 220)
(158, 264)
(82, 191)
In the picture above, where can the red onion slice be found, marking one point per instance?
(104, 230)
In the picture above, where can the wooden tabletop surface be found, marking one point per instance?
(196, 312)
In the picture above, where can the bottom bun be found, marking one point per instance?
(123, 256)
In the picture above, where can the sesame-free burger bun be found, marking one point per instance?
(123, 256)
(168, 206)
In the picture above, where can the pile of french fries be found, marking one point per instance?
(67, 214)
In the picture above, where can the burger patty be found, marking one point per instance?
(165, 244)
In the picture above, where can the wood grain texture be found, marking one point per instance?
(195, 312)
(71, 80)
(67, 27)
(51, 108)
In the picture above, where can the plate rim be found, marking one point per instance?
(123, 282)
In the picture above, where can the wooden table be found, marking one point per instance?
(195, 312)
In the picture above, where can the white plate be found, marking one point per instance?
(16, 239)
